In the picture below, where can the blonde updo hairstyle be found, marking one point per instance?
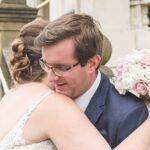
(25, 62)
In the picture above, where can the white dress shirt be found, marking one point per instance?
(83, 100)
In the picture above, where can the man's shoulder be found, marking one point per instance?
(123, 106)
(126, 100)
(116, 103)
(121, 114)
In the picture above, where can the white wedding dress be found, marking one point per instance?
(14, 139)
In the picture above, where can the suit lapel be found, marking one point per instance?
(97, 103)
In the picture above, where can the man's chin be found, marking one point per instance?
(63, 93)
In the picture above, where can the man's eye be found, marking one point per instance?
(62, 68)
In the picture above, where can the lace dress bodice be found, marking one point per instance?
(14, 140)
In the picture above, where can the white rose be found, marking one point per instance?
(127, 82)
(147, 74)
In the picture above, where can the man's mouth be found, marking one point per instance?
(59, 86)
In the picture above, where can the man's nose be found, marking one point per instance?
(52, 76)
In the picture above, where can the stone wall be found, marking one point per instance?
(13, 15)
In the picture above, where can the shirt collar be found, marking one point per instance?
(83, 100)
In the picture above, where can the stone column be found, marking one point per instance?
(13, 15)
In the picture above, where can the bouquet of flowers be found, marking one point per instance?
(133, 74)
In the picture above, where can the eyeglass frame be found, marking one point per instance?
(48, 67)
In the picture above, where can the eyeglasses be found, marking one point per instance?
(58, 70)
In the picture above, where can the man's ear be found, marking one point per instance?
(94, 62)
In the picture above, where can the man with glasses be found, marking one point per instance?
(71, 56)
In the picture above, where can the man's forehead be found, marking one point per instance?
(57, 54)
(58, 61)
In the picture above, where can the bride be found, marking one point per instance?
(33, 117)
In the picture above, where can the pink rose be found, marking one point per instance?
(141, 87)
(145, 59)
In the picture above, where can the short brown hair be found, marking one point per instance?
(25, 62)
(82, 28)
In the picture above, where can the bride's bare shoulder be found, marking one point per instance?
(57, 101)
(55, 105)
(25, 92)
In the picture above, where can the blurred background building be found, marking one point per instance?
(126, 23)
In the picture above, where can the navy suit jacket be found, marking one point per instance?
(114, 115)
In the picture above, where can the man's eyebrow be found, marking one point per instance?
(57, 65)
